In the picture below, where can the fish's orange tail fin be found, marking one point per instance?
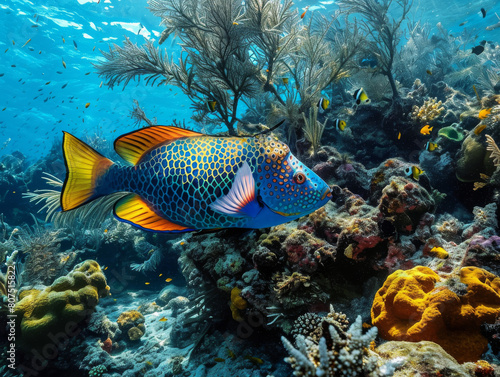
(84, 166)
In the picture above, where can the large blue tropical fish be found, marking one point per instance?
(183, 180)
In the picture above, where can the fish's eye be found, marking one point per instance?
(299, 178)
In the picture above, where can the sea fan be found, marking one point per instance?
(495, 151)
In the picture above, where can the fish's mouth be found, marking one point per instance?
(328, 193)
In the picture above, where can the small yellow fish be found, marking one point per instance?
(93, 48)
(399, 135)
(484, 113)
(463, 23)
(64, 63)
(28, 41)
(163, 319)
(100, 85)
(429, 72)
(147, 283)
(323, 104)
(429, 146)
(426, 130)
(64, 41)
(360, 96)
(149, 363)
(87, 105)
(285, 80)
(235, 23)
(105, 231)
(414, 171)
(340, 125)
(480, 128)
(439, 252)
(254, 360)
(211, 106)
(231, 354)
(219, 360)
(65, 259)
(168, 280)
(160, 275)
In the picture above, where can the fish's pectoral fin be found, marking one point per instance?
(134, 210)
(241, 200)
(133, 145)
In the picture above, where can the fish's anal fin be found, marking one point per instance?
(133, 145)
(241, 200)
(134, 210)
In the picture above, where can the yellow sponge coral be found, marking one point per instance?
(49, 315)
(410, 307)
(132, 322)
(237, 303)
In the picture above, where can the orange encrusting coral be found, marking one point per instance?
(410, 307)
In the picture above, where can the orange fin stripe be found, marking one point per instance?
(84, 166)
(133, 209)
(132, 146)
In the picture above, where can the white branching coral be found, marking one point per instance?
(338, 354)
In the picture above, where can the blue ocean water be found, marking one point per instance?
(35, 107)
(49, 84)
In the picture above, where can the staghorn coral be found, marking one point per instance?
(417, 305)
(338, 354)
(312, 325)
(430, 109)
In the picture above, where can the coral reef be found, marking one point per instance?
(344, 354)
(132, 323)
(60, 307)
(417, 305)
(428, 111)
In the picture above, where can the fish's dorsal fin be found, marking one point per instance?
(134, 210)
(133, 145)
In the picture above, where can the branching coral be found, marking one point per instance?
(234, 52)
(216, 65)
(313, 129)
(337, 354)
(384, 32)
(494, 150)
(139, 115)
(430, 110)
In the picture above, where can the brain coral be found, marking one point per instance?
(411, 306)
(47, 314)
